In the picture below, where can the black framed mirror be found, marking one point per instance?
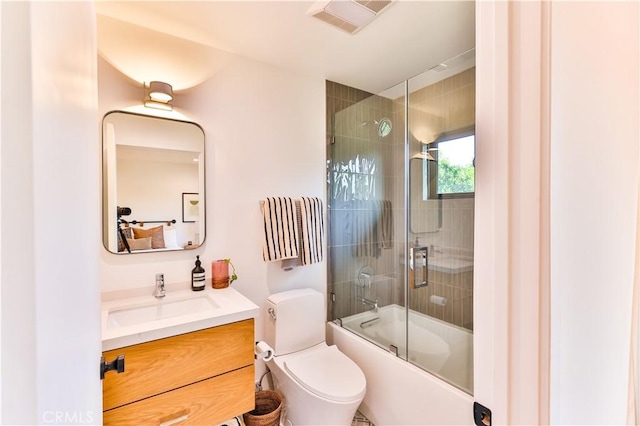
(153, 184)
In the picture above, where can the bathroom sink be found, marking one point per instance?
(158, 310)
(133, 320)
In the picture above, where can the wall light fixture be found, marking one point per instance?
(158, 94)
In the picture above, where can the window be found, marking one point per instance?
(450, 171)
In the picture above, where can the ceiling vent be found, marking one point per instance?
(348, 15)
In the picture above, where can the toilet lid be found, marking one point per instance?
(328, 373)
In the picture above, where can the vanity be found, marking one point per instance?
(188, 358)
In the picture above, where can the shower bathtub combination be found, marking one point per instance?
(400, 241)
(397, 390)
(441, 348)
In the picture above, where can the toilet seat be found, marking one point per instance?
(327, 372)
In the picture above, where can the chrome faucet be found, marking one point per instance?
(374, 305)
(160, 292)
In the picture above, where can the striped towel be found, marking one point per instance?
(280, 229)
(312, 230)
(309, 212)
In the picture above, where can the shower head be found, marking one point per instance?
(423, 156)
(383, 126)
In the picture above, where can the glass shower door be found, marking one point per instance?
(400, 184)
(441, 138)
(366, 212)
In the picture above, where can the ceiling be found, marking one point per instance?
(407, 39)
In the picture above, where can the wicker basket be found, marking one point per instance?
(269, 405)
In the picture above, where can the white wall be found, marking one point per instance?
(18, 365)
(264, 136)
(594, 177)
(50, 298)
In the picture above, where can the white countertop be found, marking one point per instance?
(227, 306)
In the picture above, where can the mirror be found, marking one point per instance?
(425, 214)
(153, 196)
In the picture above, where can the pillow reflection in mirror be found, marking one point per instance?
(127, 235)
(170, 238)
(139, 243)
(156, 234)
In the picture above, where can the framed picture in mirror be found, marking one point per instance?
(190, 207)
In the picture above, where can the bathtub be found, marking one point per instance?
(399, 392)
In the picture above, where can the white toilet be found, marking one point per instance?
(321, 385)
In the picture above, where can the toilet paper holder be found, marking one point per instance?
(263, 351)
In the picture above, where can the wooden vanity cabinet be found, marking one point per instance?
(203, 377)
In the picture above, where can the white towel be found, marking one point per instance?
(280, 229)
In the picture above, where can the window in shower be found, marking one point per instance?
(450, 169)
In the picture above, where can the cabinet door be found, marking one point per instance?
(162, 365)
(204, 403)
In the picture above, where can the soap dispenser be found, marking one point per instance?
(197, 276)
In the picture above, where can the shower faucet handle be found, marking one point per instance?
(365, 276)
(364, 279)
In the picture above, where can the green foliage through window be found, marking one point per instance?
(450, 172)
(454, 179)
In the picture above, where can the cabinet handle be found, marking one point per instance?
(115, 365)
(175, 418)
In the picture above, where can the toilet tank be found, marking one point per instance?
(295, 320)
